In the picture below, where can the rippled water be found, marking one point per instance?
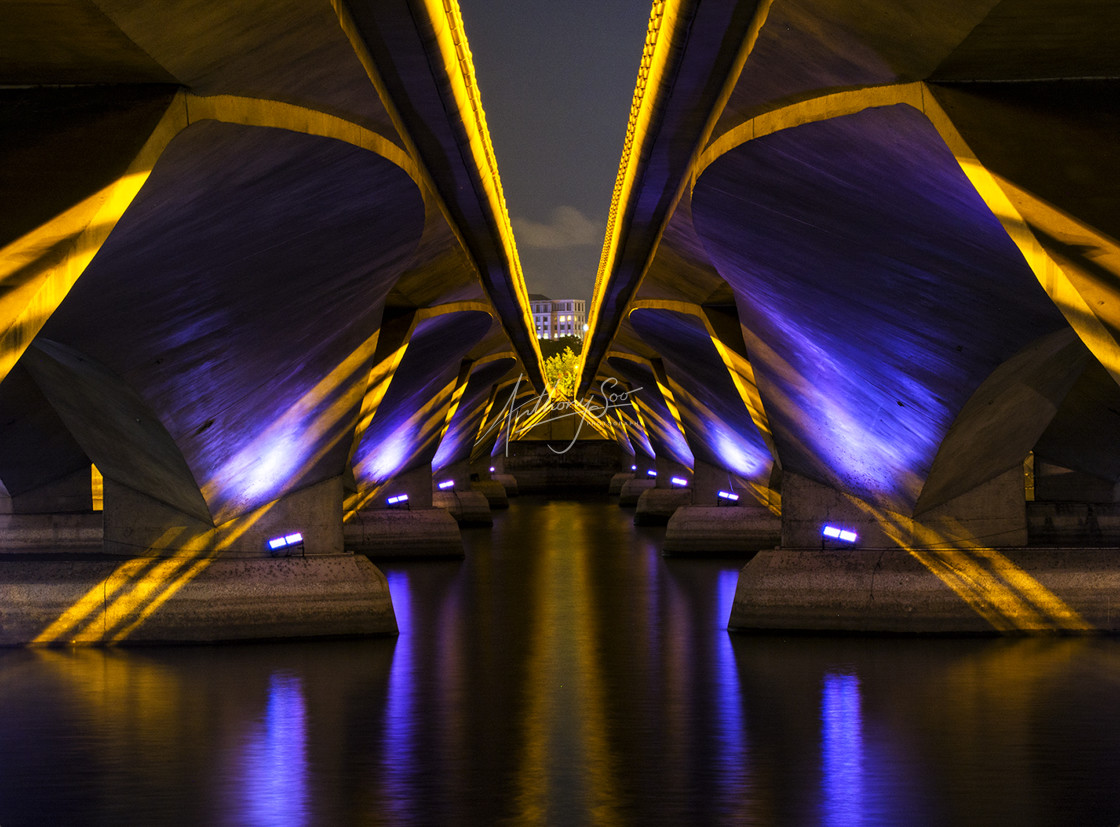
(565, 674)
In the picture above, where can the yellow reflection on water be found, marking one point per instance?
(567, 757)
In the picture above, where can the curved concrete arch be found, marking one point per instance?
(1062, 278)
(233, 221)
(866, 337)
(48, 260)
(718, 421)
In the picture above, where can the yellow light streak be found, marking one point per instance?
(998, 590)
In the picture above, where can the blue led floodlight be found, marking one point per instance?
(633, 467)
(443, 486)
(727, 495)
(678, 481)
(651, 472)
(835, 533)
(286, 542)
(399, 499)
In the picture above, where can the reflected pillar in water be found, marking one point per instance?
(273, 765)
(841, 751)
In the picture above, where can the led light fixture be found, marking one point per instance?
(727, 495)
(491, 469)
(399, 499)
(443, 486)
(633, 467)
(835, 533)
(651, 473)
(277, 544)
(679, 481)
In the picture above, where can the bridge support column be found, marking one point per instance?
(182, 579)
(992, 514)
(57, 516)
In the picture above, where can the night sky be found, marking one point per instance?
(556, 80)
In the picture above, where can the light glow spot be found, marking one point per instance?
(287, 540)
(680, 481)
(651, 472)
(398, 499)
(835, 533)
(727, 495)
(443, 486)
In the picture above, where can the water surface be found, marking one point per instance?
(565, 673)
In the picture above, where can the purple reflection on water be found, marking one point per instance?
(842, 751)
(400, 759)
(274, 771)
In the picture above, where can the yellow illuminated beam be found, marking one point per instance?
(650, 90)
(998, 590)
(447, 24)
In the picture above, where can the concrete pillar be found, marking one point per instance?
(992, 514)
(71, 494)
(416, 483)
(1054, 483)
(138, 525)
(667, 469)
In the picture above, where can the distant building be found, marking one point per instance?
(556, 318)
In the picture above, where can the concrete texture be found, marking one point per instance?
(632, 491)
(508, 481)
(418, 532)
(992, 514)
(617, 481)
(191, 600)
(540, 467)
(1020, 591)
(700, 530)
(1073, 523)
(494, 492)
(136, 524)
(467, 508)
(656, 505)
(51, 532)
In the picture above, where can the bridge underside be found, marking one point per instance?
(256, 270)
(863, 263)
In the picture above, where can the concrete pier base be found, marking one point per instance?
(656, 506)
(419, 532)
(1071, 523)
(697, 529)
(51, 532)
(617, 481)
(508, 481)
(633, 489)
(191, 599)
(494, 492)
(983, 591)
(469, 508)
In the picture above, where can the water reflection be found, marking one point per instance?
(565, 673)
(842, 751)
(274, 760)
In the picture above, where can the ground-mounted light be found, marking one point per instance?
(286, 544)
(446, 484)
(836, 533)
(726, 497)
(651, 473)
(491, 469)
(680, 482)
(397, 501)
(633, 467)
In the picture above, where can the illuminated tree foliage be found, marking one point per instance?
(562, 370)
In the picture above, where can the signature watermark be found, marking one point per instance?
(512, 417)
